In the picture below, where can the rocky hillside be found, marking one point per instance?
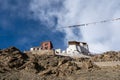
(107, 56)
(15, 65)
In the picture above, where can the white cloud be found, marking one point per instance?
(100, 37)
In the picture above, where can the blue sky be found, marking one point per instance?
(18, 28)
(26, 23)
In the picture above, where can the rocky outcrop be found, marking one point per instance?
(107, 56)
(11, 58)
(15, 65)
(51, 65)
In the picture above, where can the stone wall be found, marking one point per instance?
(42, 52)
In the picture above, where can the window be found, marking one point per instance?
(46, 44)
(46, 47)
(33, 48)
(37, 48)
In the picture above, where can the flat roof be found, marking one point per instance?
(76, 42)
(36, 47)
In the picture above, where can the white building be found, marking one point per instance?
(75, 48)
(35, 49)
(58, 51)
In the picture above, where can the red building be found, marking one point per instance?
(46, 45)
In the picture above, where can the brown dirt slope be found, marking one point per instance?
(15, 65)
